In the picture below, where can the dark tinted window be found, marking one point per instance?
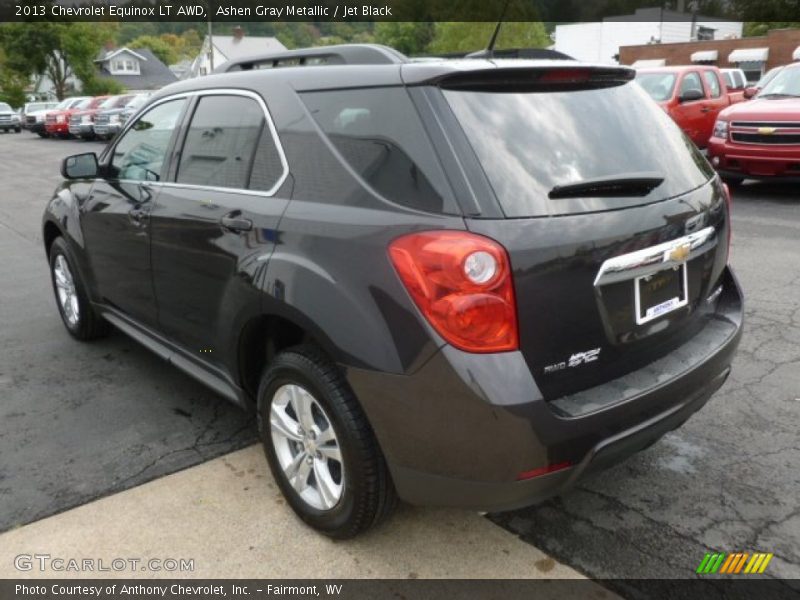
(229, 144)
(140, 153)
(528, 143)
(379, 133)
(713, 84)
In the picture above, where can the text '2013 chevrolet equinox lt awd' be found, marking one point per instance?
(462, 283)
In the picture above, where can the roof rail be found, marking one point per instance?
(344, 54)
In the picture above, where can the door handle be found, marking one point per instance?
(705, 109)
(137, 215)
(234, 222)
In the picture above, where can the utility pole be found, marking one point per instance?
(210, 42)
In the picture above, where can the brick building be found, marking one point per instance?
(755, 55)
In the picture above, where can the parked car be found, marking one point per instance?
(753, 91)
(56, 122)
(693, 96)
(9, 118)
(462, 283)
(736, 81)
(32, 110)
(108, 122)
(761, 138)
(36, 122)
(81, 123)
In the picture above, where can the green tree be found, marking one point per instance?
(161, 47)
(57, 50)
(12, 84)
(755, 28)
(408, 38)
(469, 37)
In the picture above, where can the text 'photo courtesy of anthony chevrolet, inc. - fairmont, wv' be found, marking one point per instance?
(411, 298)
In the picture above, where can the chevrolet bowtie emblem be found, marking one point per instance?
(678, 254)
(767, 130)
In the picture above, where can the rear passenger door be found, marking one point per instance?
(214, 225)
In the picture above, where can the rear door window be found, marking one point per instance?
(229, 145)
(529, 143)
(713, 84)
(379, 134)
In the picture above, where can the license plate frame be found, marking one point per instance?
(647, 313)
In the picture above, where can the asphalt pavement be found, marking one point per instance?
(83, 421)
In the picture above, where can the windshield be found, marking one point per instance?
(769, 76)
(33, 107)
(658, 86)
(785, 83)
(5, 107)
(83, 104)
(531, 143)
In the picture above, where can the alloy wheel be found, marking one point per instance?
(66, 292)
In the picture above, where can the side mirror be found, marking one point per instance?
(80, 166)
(691, 96)
(750, 92)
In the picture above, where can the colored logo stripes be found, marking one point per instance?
(734, 563)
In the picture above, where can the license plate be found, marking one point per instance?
(661, 293)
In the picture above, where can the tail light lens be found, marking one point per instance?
(729, 206)
(462, 284)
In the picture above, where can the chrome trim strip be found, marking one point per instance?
(641, 262)
(212, 92)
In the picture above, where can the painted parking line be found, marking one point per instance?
(228, 516)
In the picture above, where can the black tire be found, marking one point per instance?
(368, 495)
(88, 325)
(42, 134)
(18, 130)
(733, 181)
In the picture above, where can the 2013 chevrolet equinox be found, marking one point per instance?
(460, 283)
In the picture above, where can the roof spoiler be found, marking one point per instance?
(344, 54)
(562, 76)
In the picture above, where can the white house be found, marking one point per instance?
(600, 42)
(229, 47)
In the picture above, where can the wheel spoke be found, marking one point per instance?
(326, 435)
(294, 466)
(283, 424)
(300, 481)
(331, 452)
(327, 488)
(301, 402)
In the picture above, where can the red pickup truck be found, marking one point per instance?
(761, 138)
(57, 122)
(692, 95)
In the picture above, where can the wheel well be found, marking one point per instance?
(51, 232)
(260, 341)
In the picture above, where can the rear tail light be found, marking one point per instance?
(462, 284)
(729, 207)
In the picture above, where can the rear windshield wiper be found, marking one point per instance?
(626, 185)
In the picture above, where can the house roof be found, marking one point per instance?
(153, 74)
(109, 54)
(232, 48)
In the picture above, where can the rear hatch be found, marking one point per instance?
(615, 225)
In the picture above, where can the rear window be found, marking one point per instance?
(529, 143)
(379, 134)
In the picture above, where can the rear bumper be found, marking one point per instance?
(461, 429)
(755, 161)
